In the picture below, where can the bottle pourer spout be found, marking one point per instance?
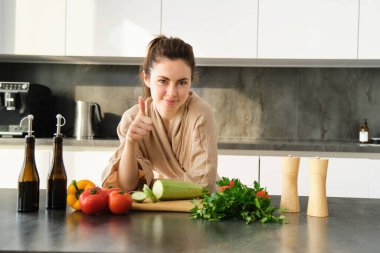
(30, 118)
(61, 121)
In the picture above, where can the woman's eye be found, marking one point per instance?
(182, 83)
(162, 81)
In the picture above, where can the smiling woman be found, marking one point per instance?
(169, 83)
(172, 132)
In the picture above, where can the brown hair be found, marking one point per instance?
(171, 48)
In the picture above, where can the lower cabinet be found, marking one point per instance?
(374, 179)
(86, 164)
(346, 177)
(271, 175)
(245, 168)
(12, 160)
(78, 164)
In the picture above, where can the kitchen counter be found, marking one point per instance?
(321, 146)
(232, 146)
(353, 226)
(226, 143)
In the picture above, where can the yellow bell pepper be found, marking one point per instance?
(75, 189)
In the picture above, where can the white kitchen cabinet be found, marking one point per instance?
(32, 27)
(315, 29)
(215, 28)
(271, 175)
(374, 179)
(111, 28)
(348, 177)
(369, 37)
(86, 164)
(79, 164)
(11, 163)
(345, 177)
(245, 168)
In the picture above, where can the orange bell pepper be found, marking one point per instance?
(75, 189)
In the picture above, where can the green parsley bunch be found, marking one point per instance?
(237, 201)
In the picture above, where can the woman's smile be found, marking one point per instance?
(170, 101)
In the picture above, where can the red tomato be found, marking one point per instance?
(119, 202)
(222, 188)
(93, 200)
(232, 183)
(262, 194)
(109, 190)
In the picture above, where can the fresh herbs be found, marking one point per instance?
(237, 201)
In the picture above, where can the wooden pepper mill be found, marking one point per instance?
(317, 205)
(289, 193)
(317, 234)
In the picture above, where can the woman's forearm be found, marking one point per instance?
(128, 168)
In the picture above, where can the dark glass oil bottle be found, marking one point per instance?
(57, 180)
(29, 181)
(364, 132)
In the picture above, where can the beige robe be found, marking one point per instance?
(188, 151)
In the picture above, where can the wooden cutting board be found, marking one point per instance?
(168, 206)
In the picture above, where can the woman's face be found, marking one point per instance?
(169, 83)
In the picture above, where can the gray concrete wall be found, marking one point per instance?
(250, 103)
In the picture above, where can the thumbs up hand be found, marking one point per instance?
(141, 106)
(141, 125)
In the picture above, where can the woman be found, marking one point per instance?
(172, 133)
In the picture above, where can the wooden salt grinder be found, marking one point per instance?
(289, 194)
(317, 205)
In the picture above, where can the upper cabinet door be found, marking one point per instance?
(215, 28)
(32, 27)
(369, 37)
(111, 28)
(313, 29)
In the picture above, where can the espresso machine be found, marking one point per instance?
(17, 100)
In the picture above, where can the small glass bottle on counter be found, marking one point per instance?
(364, 132)
(29, 180)
(56, 192)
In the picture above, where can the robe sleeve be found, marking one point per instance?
(203, 157)
(110, 174)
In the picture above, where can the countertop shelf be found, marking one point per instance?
(352, 226)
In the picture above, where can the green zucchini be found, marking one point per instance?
(139, 196)
(149, 193)
(171, 189)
